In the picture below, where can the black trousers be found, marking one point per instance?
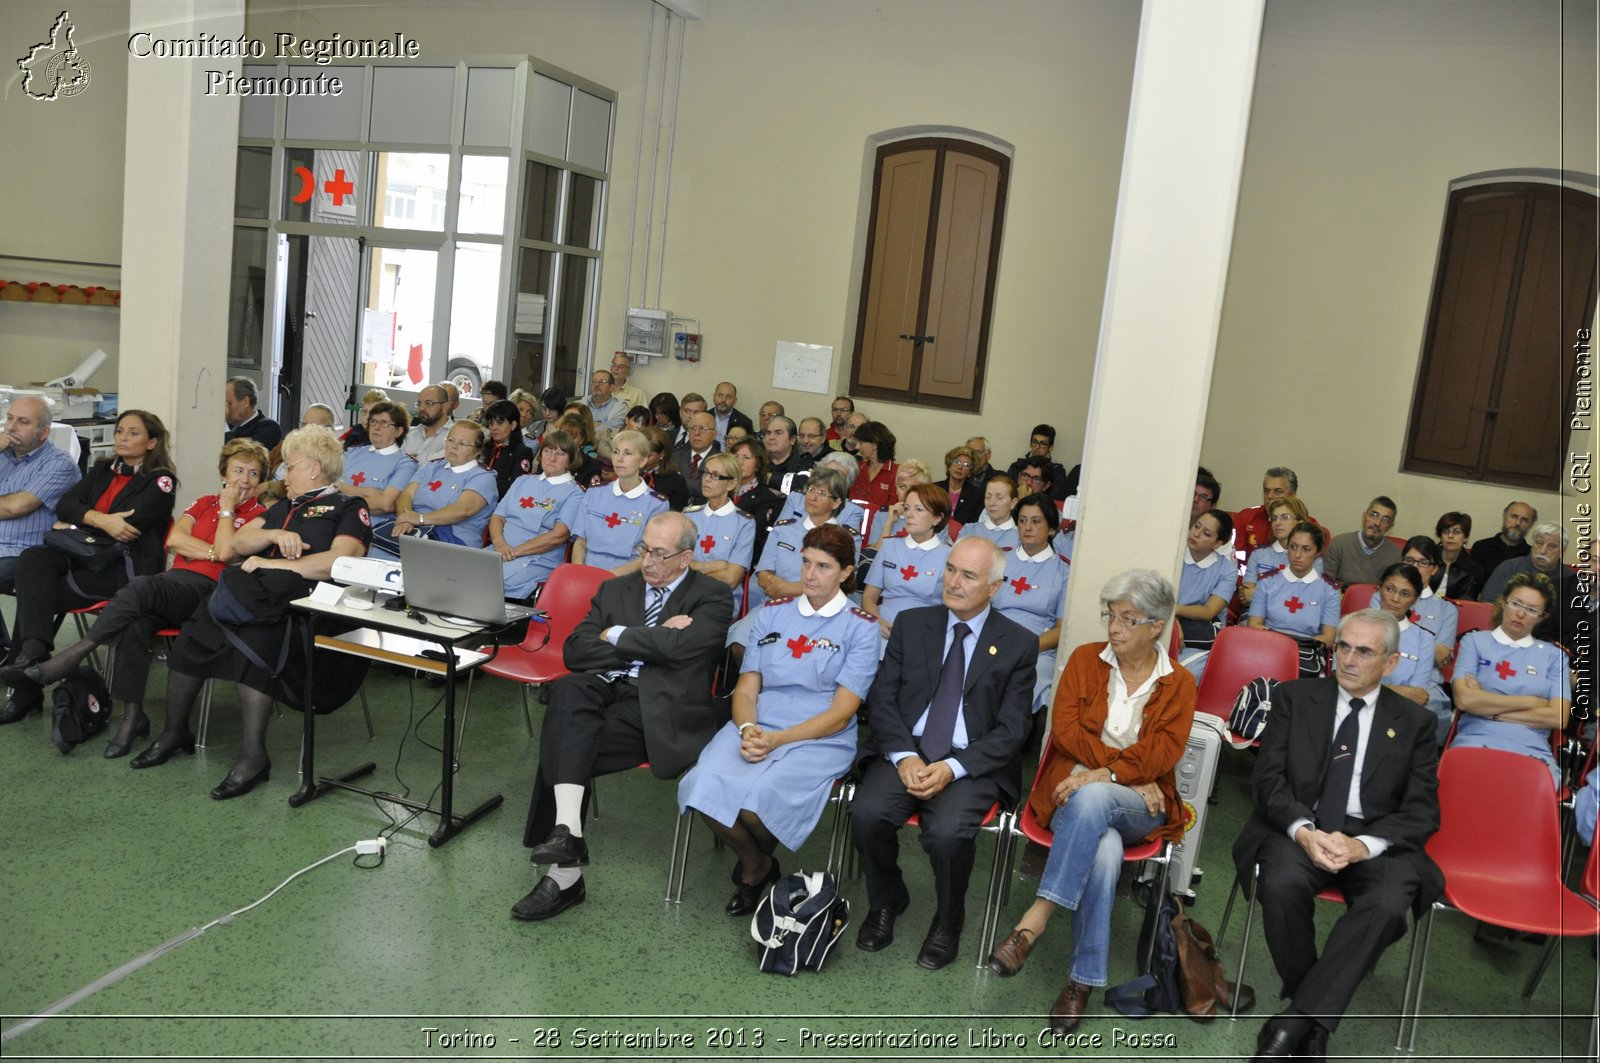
(950, 823)
(1377, 893)
(43, 592)
(591, 728)
(136, 613)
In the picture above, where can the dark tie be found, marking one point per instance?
(652, 616)
(941, 728)
(694, 466)
(1336, 785)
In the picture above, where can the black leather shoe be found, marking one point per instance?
(560, 848)
(1315, 1045)
(115, 749)
(158, 754)
(877, 929)
(16, 672)
(746, 897)
(15, 710)
(939, 947)
(1278, 1040)
(233, 786)
(548, 899)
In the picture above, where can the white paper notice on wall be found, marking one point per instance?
(803, 367)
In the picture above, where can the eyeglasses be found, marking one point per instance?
(1201, 496)
(1108, 618)
(1037, 442)
(1361, 653)
(377, 423)
(430, 402)
(659, 557)
(716, 476)
(1420, 562)
(961, 464)
(819, 490)
(1531, 611)
(289, 466)
(1031, 478)
(1386, 520)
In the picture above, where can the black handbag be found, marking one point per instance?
(81, 708)
(87, 548)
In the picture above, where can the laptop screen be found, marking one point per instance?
(453, 580)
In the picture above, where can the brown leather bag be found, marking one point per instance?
(1205, 989)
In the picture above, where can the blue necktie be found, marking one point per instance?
(1335, 797)
(946, 703)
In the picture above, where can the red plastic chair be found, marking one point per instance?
(1357, 596)
(1499, 846)
(1239, 655)
(1472, 616)
(567, 595)
(1332, 893)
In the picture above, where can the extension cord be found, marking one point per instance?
(372, 846)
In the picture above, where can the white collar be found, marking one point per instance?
(1045, 553)
(1369, 698)
(639, 489)
(1310, 577)
(992, 526)
(553, 481)
(386, 451)
(1163, 663)
(1279, 547)
(833, 607)
(727, 507)
(808, 523)
(1503, 639)
(1405, 624)
(1209, 560)
(932, 543)
(1427, 592)
(464, 467)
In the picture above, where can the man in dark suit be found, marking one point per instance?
(946, 742)
(239, 401)
(727, 415)
(691, 455)
(640, 689)
(1346, 794)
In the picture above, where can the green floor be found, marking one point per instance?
(102, 864)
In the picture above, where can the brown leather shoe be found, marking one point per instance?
(1067, 1011)
(1009, 956)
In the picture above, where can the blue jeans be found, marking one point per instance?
(1085, 861)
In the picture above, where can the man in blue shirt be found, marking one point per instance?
(34, 474)
(609, 411)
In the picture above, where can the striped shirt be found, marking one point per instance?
(45, 473)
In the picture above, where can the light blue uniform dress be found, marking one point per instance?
(1065, 541)
(780, 556)
(726, 534)
(850, 514)
(1002, 535)
(1032, 594)
(533, 505)
(380, 469)
(1214, 574)
(1298, 608)
(909, 575)
(440, 485)
(612, 523)
(1416, 669)
(803, 655)
(1526, 666)
(1265, 560)
(1440, 617)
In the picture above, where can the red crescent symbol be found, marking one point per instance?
(308, 185)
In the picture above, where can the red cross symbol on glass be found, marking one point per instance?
(359, 478)
(526, 501)
(339, 187)
(708, 542)
(434, 485)
(1505, 669)
(800, 646)
(909, 572)
(1021, 585)
(1294, 605)
(613, 520)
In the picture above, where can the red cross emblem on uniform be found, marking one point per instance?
(708, 542)
(526, 501)
(434, 485)
(1505, 669)
(800, 646)
(613, 520)
(1021, 585)
(909, 572)
(1294, 605)
(359, 478)
(1414, 616)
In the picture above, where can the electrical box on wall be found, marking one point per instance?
(645, 335)
(686, 346)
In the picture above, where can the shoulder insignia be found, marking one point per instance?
(1006, 549)
(784, 521)
(856, 610)
(1330, 581)
(165, 483)
(742, 513)
(658, 496)
(778, 601)
(693, 509)
(1064, 559)
(853, 531)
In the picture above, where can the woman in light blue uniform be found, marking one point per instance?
(764, 778)
(614, 514)
(1416, 677)
(1283, 514)
(1300, 602)
(451, 497)
(996, 525)
(1513, 690)
(909, 570)
(892, 521)
(778, 568)
(1205, 587)
(1430, 611)
(377, 473)
(726, 534)
(532, 523)
(1035, 584)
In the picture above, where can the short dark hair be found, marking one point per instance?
(497, 388)
(502, 410)
(1203, 478)
(666, 402)
(1224, 523)
(553, 399)
(877, 433)
(242, 387)
(844, 398)
(1045, 504)
(1046, 473)
(1453, 519)
(1046, 430)
(1386, 502)
(838, 544)
(1405, 571)
(1318, 536)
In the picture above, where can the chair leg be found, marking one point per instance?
(366, 712)
(839, 837)
(678, 866)
(1244, 944)
(205, 715)
(1405, 996)
(527, 713)
(1544, 964)
(993, 904)
(1422, 978)
(1165, 860)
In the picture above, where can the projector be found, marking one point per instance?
(369, 573)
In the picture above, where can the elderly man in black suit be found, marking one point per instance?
(640, 689)
(1346, 794)
(946, 744)
(690, 455)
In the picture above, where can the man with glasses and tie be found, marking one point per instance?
(639, 690)
(1361, 557)
(1345, 794)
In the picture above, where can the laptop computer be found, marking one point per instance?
(457, 581)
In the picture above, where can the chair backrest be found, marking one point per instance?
(1590, 886)
(1357, 596)
(1399, 542)
(1496, 820)
(1239, 655)
(1472, 616)
(566, 598)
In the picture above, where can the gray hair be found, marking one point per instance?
(1382, 617)
(687, 532)
(835, 480)
(1283, 472)
(1546, 528)
(1150, 592)
(837, 459)
(242, 387)
(779, 418)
